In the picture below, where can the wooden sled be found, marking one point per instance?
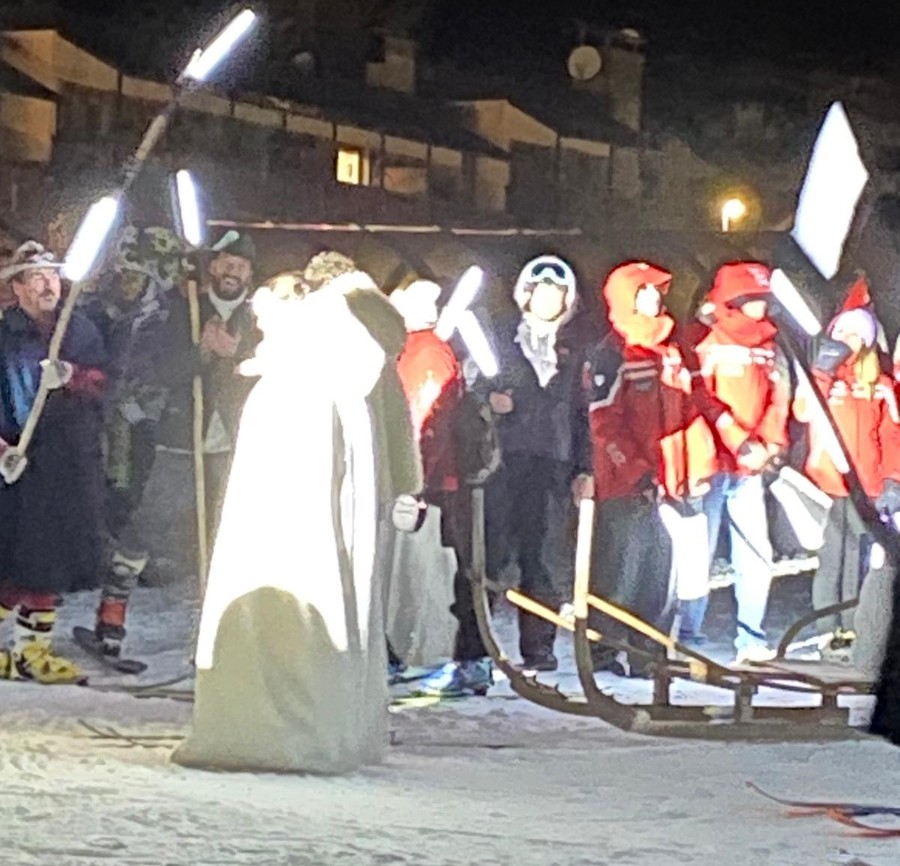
(743, 719)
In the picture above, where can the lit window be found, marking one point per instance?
(351, 167)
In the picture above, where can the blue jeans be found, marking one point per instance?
(742, 499)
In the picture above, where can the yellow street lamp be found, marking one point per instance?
(732, 211)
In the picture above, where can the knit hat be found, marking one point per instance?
(859, 321)
(28, 257)
(417, 303)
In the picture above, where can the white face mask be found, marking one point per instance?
(648, 301)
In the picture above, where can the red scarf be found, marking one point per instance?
(644, 331)
(741, 330)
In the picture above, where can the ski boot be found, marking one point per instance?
(38, 663)
(31, 656)
(126, 569)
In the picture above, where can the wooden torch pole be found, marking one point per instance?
(199, 472)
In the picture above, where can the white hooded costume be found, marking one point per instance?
(291, 655)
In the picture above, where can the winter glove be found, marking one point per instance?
(889, 500)
(408, 514)
(12, 464)
(56, 374)
(831, 354)
(648, 488)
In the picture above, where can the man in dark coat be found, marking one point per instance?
(51, 502)
(229, 337)
(131, 305)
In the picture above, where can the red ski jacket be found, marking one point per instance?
(432, 381)
(867, 419)
(741, 364)
(649, 424)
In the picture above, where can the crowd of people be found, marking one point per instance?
(675, 430)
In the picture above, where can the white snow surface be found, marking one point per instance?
(487, 781)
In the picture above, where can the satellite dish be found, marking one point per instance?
(585, 63)
(305, 63)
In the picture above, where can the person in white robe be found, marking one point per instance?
(291, 653)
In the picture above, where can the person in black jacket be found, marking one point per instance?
(538, 399)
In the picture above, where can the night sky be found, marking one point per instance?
(509, 35)
(833, 33)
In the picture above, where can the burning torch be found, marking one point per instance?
(99, 223)
(456, 317)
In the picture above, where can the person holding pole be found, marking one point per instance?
(51, 501)
(228, 335)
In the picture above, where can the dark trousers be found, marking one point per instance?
(123, 501)
(632, 567)
(217, 468)
(456, 533)
(518, 518)
(842, 564)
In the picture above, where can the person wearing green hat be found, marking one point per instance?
(229, 337)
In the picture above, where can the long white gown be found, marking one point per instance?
(291, 653)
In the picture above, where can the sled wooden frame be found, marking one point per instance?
(743, 720)
(784, 645)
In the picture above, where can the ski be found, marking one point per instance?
(824, 807)
(146, 741)
(868, 830)
(87, 640)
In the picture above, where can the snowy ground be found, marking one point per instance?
(488, 781)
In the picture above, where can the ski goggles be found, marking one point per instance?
(551, 272)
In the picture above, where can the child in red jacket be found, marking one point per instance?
(745, 369)
(863, 405)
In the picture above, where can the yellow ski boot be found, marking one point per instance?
(32, 657)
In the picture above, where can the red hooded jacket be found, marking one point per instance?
(432, 381)
(648, 423)
(741, 364)
(867, 420)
